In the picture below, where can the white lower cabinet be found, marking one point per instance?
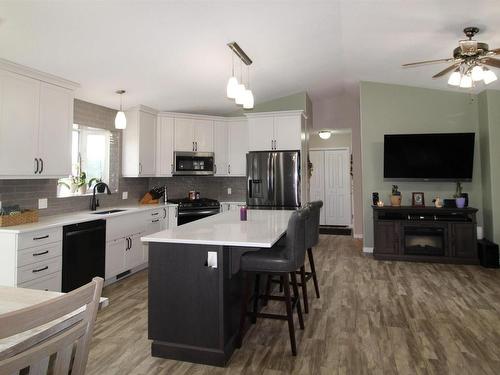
(134, 255)
(173, 213)
(115, 257)
(50, 282)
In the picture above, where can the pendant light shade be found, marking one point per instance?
(120, 119)
(248, 99)
(455, 78)
(240, 94)
(231, 89)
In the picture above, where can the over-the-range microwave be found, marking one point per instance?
(193, 163)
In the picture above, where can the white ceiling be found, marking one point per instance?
(172, 55)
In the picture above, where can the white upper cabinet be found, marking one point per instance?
(221, 148)
(184, 134)
(260, 133)
(276, 131)
(36, 118)
(165, 146)
(54, 133)
(238, 147)
(194, 134)
(139, 143)
(287, 132)
(204, 135)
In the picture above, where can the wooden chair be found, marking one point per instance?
(56, 349)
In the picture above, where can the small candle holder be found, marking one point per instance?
(243, 213)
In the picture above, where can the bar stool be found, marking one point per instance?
(312, 239)
(280, 261)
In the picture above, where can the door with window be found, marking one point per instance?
(331, 183)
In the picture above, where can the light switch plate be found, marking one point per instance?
(42, 203)
(125, 195)
(212, 259)
(229, 191)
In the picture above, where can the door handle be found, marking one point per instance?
(36, 168)
(41, 166)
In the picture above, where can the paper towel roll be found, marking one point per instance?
(480, 233)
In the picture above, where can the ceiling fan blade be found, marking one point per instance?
(491, 62)
(447, 70)
(428, 62)
(495, 51)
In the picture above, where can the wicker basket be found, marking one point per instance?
(25, 217)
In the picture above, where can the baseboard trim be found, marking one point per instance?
(368, 250)
(358, 236)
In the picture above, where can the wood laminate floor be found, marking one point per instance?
(373, 318)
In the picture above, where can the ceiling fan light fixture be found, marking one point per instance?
(466, 82)
(325, 134)
(489, 76)
(477, 73)
(455, 78)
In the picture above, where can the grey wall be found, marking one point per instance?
(209, 187)
(27, 192)
(489, 130)
(393, 109)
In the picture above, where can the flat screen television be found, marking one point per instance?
(438, 156)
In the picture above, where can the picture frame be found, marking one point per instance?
(418, 199)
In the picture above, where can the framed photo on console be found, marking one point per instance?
(417, 199)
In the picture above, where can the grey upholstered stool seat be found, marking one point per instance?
(281, 261)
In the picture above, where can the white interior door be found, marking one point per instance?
(337, 187)
(317, 181)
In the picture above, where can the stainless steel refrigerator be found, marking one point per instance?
(273, 179)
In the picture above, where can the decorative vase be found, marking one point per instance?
(396, 200)
(460, 202)
(82, 189)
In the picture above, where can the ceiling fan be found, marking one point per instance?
(469, 63)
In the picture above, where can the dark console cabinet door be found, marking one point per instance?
(463, 240)
(386, 237)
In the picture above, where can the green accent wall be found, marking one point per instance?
(394, 109)
(489, 130)
(286, 103)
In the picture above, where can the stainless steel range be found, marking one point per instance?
(194, 209)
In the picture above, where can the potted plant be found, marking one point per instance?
(396, 196)
(95, 180)
(459, 197)
(81, 182)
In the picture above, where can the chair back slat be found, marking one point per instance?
(58, 343)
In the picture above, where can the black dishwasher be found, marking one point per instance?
(84, 249)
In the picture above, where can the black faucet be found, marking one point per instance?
(94, 202)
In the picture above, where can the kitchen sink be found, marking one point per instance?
(107, 212)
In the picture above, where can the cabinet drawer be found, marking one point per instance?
(39, 269)
(124, 226)
(41, 237)
(159, 213)
(38, 254)
(50, 282)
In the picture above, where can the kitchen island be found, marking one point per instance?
(195, 284)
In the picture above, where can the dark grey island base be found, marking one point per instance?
(194, 309)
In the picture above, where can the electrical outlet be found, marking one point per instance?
(125, 195)
(229, 191)
(42, 203)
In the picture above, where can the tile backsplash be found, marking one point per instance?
(209, 187)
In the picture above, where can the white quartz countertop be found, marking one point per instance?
(79, 217)
(262, 229)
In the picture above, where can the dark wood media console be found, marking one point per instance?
(425, 234)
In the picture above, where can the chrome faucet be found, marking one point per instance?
(94, 202)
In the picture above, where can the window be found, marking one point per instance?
(89, 160)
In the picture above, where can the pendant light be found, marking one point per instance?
(232, 83)
(455, 78)
(240, 91)
(489, 76)
(248, 101)
(477, 73)
(466, 82)
(120, 119)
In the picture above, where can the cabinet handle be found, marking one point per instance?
(193, 146)
(171, 168)
(36, 168)
(140, 168)
(164, 213)
(42, 253)
(41, 269)
(215, 168)
(155, 214)
(40, 238)
(155, 220)
(272, 144)
(176, 211)
(41, 166)
(229, 169)
(130, 243)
